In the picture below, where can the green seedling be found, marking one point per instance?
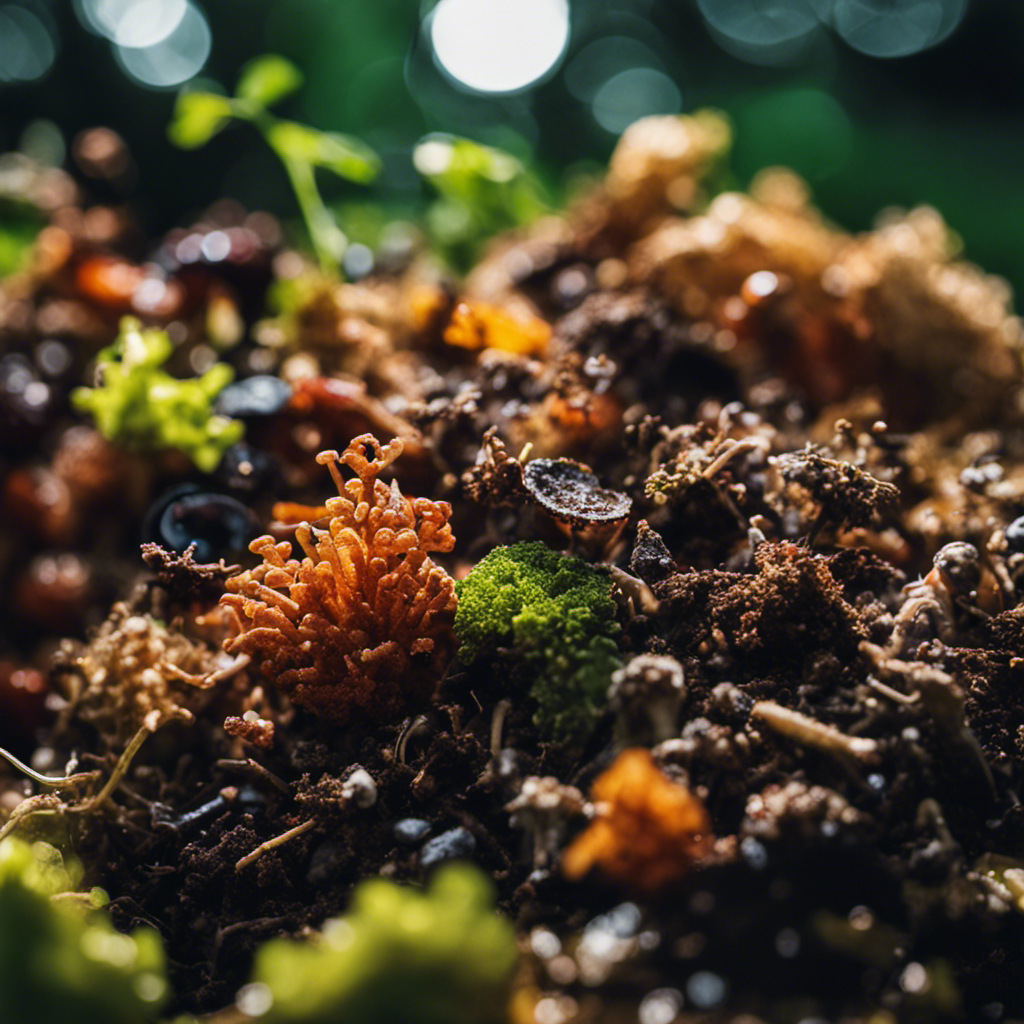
(399, 956)
(199, 115)
(60, 958)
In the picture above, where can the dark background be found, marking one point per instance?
(941, 125)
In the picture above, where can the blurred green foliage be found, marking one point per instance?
(19, 225)
(939, 126)
(399, 956)
(141, 406)
(556, 615)
(61, 961)
(482, 191)
(199, 115)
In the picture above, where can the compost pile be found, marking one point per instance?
(660, 574)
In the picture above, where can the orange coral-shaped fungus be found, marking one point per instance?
(648, 832)
(363, 624)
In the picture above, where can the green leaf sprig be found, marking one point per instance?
(141, 406)
(198, 116)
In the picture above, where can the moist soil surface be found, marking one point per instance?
(796, 460)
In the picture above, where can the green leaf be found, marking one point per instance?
(267, 79)
(344, 155)
(198, 116)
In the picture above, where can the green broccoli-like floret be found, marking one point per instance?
(557, 615)
(143, 407)
(61, 961)
(399, 956)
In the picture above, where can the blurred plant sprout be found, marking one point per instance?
(399, 956)
(61, 959)
(198, 116)
(483, 191)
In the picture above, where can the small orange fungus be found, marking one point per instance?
(480, 325)
(649, 829)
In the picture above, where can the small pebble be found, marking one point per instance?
(411, 830)
(456, 842)
(326, 860)
(360, 788)
(262, 395)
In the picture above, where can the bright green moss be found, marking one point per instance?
(400, 956)
(142, 407)
(62, 963)
(557, 615)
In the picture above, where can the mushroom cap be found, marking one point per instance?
(547, 794)
(571, 492)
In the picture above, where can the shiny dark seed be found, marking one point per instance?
(1015, 535)
(217, 524)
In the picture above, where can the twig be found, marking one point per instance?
(75, 779)
(415, 726)
(272, 844)
(123, 763)
(249, 765)
(501, 709)
(813, 733)
(730, 450)
(43, 803)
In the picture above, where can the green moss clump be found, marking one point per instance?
(61, 961)
(143, 407)
(400, 956)
(557, 615)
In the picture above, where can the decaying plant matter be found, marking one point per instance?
(362, 625)
(137, 673)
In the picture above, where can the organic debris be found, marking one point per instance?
(691, 614)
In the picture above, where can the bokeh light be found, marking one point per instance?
(499, 46)
(175, 59)
(787, 52)
(881, 28)
(43, 141)
(633, 94)
(761, 22)
(133, 23)
(27, 49)
(604, 58)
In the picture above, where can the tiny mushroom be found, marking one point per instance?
(572, 495)
(646, 695)
(544, 806)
